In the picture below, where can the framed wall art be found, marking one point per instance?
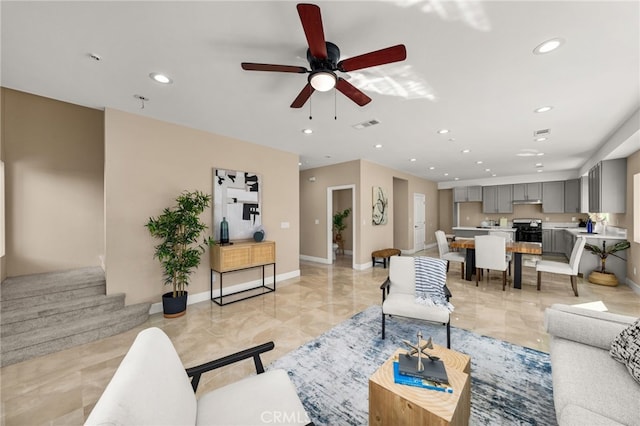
(380, 206)
(236, 197)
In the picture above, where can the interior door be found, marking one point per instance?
(419, 220)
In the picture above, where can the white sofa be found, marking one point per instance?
(151, 387)
(589, 386)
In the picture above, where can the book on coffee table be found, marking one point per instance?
(402, 379)
(433, 369)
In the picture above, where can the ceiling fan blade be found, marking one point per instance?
(303, 96)
(351, 92)
(371, 59)
(249, 66)
(312, 25)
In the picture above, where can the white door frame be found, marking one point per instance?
(423, 201)
(330, 190)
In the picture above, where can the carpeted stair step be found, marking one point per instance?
(22, 346)
(17, 321)
(42, 289)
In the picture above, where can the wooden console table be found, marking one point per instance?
(239, 256)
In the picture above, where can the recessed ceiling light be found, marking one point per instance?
(379, 145)
(443, 131)
(456, 178)
(160, 78)
(539, 170)
(446, 174)
(494, 175)
(465, 151)
(413, 160)
(479, 162)
(540, 154)
(543, 109)
(541, 139)
(548, 46)
(432, 168)
(539, 165)
(307, 131)
(487, 170)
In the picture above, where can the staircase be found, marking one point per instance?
(45, 313)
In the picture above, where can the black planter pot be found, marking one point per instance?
(174, 307)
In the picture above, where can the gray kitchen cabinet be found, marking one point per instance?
(607, 186)
(553, 197)
(547, 240)
(558, 240)
(527, 191)
(497, 199)
(572, 190)
(465, 194)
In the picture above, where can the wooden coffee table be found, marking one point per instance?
(394, 405)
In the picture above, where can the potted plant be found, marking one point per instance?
(338, 222)
(602, 276)
(179, 228)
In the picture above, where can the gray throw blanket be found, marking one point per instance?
(431, 277)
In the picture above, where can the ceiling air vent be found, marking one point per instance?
(364, 124)
(543, 132)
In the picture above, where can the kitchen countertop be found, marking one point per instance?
(482, 228)
(612, 233)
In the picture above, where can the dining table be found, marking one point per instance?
(517, 248)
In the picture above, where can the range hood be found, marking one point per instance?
(527, 201)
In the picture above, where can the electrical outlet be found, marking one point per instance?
(573, 219)
(317, 221)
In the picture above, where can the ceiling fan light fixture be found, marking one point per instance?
(323, 81)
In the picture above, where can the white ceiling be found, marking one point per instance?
(469, 69)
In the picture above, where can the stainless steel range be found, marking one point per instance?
(528, 230)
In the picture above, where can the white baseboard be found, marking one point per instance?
(634, 286)
(316, 259)
(206, 295)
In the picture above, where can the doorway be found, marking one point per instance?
(340, 198)
(419, 220)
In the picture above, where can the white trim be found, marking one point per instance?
(206, 295)
(635, 287)
(316, 259)
(363, 266)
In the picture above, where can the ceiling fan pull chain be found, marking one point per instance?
(310, 117)
(335, 104)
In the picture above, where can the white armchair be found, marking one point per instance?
(570, 268)
(446, 254)
(399, 295)
(151, 387)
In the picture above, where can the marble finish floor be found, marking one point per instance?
(62, 388)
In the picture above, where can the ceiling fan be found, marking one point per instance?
(324, 61)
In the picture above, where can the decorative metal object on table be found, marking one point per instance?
(432, 370)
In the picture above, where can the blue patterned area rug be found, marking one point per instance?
(510, 384)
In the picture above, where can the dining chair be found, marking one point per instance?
(491, 253)
(570, 268)
(446, 254)
(508, 237)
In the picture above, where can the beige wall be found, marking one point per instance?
(365, 175)
(633, 258)
(401, 228)
(3, 269)
(54, 156)
(445, 210)
(149, 162)
(313, 204)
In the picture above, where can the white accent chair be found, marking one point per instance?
(508, 237)
(570, 268)
(151, 387)
(446, 254)
(491, 254)
(399, 296)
